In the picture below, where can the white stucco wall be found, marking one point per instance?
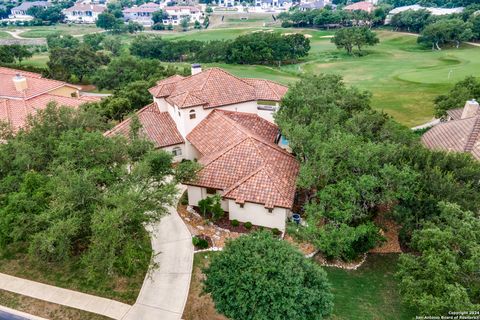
(179, 158)
(258, 215)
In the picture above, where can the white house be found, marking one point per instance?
(416, 7)
(175, 14)
(83, 13)
(20, 12)
(226, 3)
(142, 14)
(226, 124)
(274, 4)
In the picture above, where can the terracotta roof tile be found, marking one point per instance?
(157, 126)
(363, 5)
(455, 114)
(215, 87)
(221, 129)
(455, 135)
(16, 111)
(242, 160)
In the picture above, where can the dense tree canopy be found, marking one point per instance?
(446, 31)
(71, 194)
(255, 48)
(355, 162)
(348, 38)
(273, 280)
(466, 89)
(444, 277)
(14, 53)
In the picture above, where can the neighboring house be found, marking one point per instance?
(460, 133)
(24, 93)
(142, 14)
(416, 7)
(274, 4)
(226, 123)
(20, 12)
(362, 6)
(307, 6)
(176, 14)
(226, 3)
(83, 13)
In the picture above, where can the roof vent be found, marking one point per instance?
(196, 68)
(20, 83)
(471, 109)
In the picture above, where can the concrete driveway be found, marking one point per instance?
(164, 293)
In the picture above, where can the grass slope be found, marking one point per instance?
(370, 292)
(44, 31)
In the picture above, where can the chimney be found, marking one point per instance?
(471, 109)
(196, 68)
(20, 83)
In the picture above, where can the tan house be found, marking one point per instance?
(226, 123)
(24, 93)
(460, 133)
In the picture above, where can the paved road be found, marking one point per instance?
(164, 293)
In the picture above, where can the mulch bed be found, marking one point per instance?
(226, 223)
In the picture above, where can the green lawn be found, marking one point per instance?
(4, 35)
(38, 60)
(404, 78)
(44, 31)
(370, 292)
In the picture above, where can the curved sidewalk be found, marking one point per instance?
(165, 291)
(69, 298)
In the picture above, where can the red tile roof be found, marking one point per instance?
(241, 158)
(83, 7)
(36, 84)
(15, 106)
(461, 135)
(236, 127)
(215, 87)
(363, 5)
(16, 111)
(157, 127)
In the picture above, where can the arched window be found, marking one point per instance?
(177, 151)
(192, 114)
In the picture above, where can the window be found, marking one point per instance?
(179, 115)
(177, 151)
(192, 114)
(242, 205)
(270, 210)
(211, 191)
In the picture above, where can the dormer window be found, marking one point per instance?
(192, 114)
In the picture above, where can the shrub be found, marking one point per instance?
(235, 223)
(276, 231)
(200, 243)
(263, 281)
(158, 26)
(248, 225)
(184, 199)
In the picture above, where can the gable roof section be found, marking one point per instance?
(16, 112)
(221, 129)
(242, 160)
(215, 87)
(36, 84)
(362, 5)
(157, 127)
(456, 135)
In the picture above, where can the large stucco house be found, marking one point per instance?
(20, 12)
(83, 13)
(24, 93)
(226, 124)
(460, 133)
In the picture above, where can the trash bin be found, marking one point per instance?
(296, 218)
